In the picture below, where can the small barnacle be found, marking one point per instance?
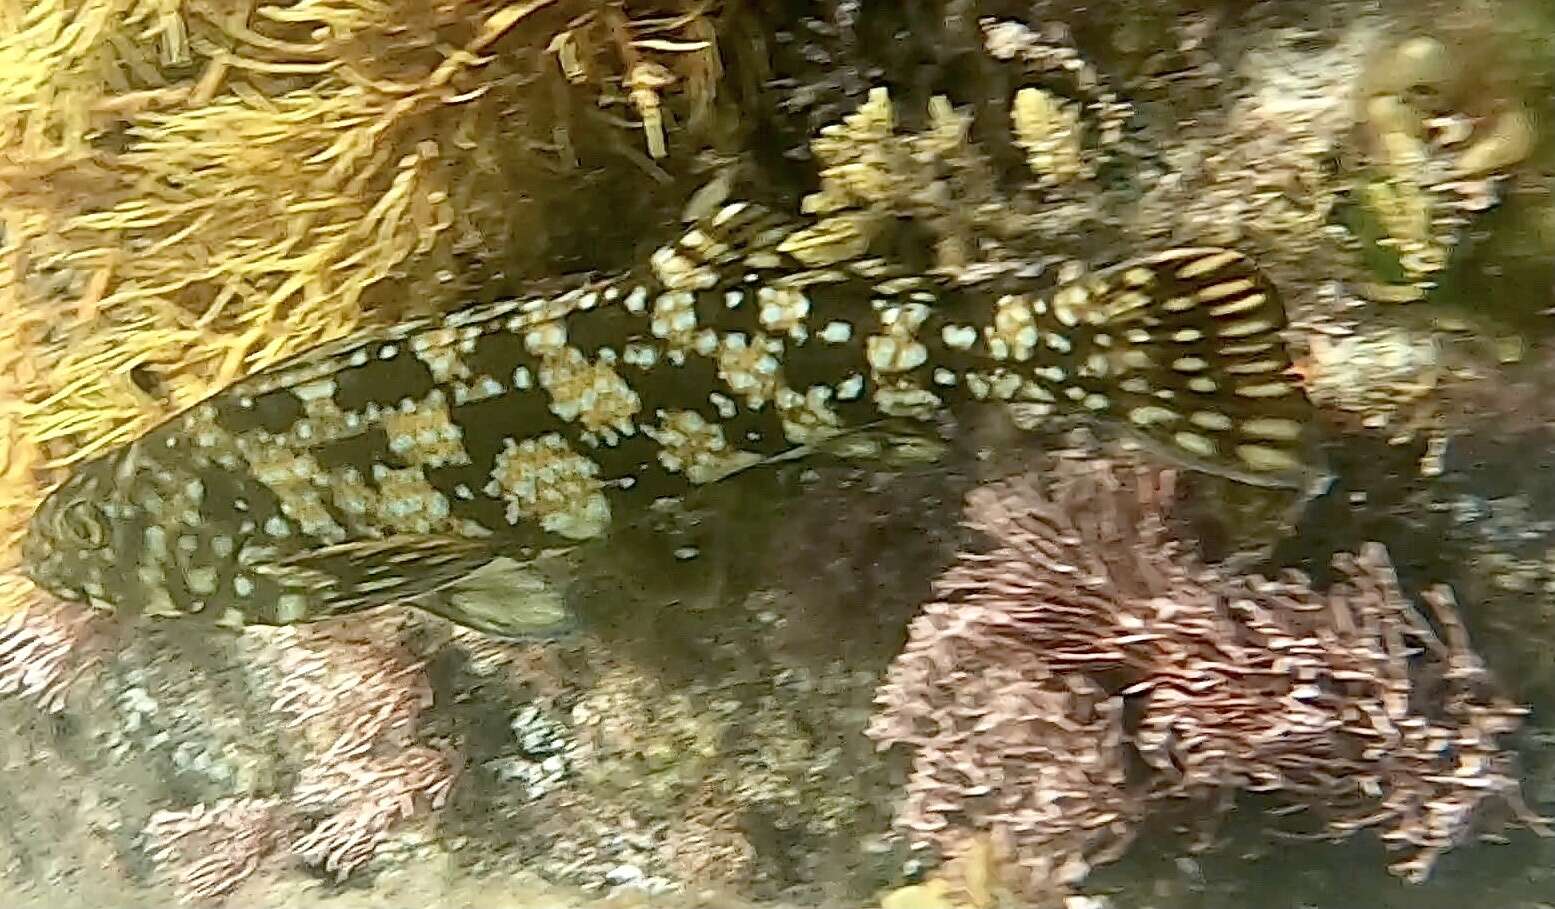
(569, 56)
(1430, 169)
(1510, 139)
(1382, 378)
(645, 80)
(1050, 132)
(1421, 62)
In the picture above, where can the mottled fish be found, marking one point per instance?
(439, 462)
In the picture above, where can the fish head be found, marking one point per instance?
(129, 531)
(68, 548)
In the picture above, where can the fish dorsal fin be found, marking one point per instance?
(1197, 362)
(743, 239)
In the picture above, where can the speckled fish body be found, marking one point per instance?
(440, 457)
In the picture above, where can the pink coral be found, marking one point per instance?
(210, 850)
(1087, 638)
(46, 646)
(367, 797)
(357, 703)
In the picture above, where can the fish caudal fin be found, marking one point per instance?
(1199, 366)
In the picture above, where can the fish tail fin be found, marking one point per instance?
(1198, 364)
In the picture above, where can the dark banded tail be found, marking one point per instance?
(1201, 367)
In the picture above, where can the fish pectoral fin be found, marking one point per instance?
(1197, 363)
(348, 577)
(892, 442)
(506, 598)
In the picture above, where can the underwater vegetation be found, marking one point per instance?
(1085, 639)
(818, 680)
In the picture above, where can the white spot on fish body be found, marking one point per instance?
(1253, 368)
(640, 355)
(1272, 428)
(1202, 446)
(724, 404)
(1265, 390)
(958, 337)
(728, 213)
(201, 581)
(1264, 457)
(545, 338)
(317, 390)
(837, 333)
(1224, 289)
(1245, 328)
(1209, 419)
(1150, 415)
(1207, 264)
(1237, 307)
(290, 607)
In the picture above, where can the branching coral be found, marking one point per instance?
(1050, 131)
(1086, 637)
(873, 171)
(367, 797)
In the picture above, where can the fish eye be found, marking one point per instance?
(82, 523)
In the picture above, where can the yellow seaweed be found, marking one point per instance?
(194, 189)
